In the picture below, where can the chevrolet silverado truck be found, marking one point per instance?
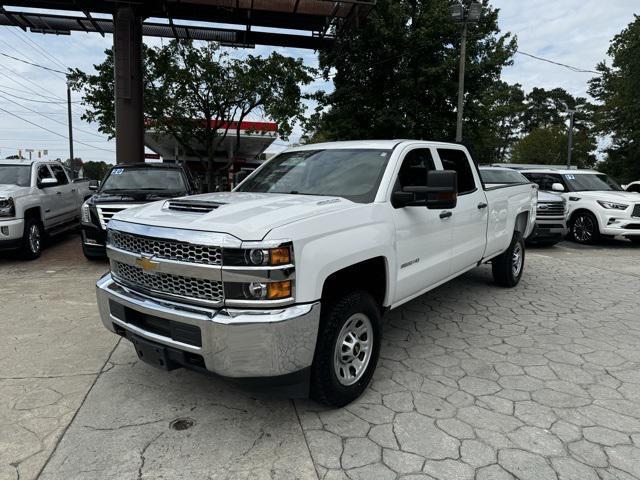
(126, 186)
(551, 214)
(37, 198)
(598, 206)
(286, 278)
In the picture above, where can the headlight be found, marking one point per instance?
(85, 214)
(7, 207)
(259, 290)
(613, 206)
(258, 257)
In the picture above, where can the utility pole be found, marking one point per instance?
(571, 124)
(70, 125)
(465, 13)
(461, 74)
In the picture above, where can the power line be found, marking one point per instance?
(34, 101)
(28, 92)
(33, 64)
(570, 67)
(49, 118)
(52, 132)
(35, 46)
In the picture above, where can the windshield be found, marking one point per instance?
(591, 182)
(502, 176)
(353, 174)
(141, 179)
(19, 175)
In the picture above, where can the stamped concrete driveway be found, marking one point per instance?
(475, 382)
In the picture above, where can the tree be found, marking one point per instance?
(95, 170)
(618, 113)
(396, 75)
(498, 113)
(549, 146)
(194, 93)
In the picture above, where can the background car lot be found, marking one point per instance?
(473, 380)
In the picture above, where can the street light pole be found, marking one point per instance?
(465, 12)
(69, 112)
(461, 75)
(570, 148)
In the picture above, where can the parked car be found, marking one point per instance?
(633, 187)
(127, 186)
(288, 275)
(551, 214)
(37, 198)
(598, 206)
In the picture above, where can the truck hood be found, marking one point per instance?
(609, 196)
(131, 197)
(544, 196)
(13, 191)
(247, 216)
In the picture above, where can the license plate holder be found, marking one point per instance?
(152, 353)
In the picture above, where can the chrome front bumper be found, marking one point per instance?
(235, 343)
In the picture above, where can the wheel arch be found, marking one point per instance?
(583, 210)
(370, 275)
(33, 212)
(522, 222)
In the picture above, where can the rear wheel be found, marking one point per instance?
(508, 267)
(635, 240)
(584, 228)
(32, 239)
(347, 349)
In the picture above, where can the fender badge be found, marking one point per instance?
(146, 263)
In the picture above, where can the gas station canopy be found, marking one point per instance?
(312, 20)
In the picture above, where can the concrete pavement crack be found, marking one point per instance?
(142, 453)
(304, 435)
(64, 432)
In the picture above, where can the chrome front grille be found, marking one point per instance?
(636, 211)
(166, 249)
(168, 284)
(550, 209)
(106, 212)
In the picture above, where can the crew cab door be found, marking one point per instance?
(50, 195)
(423, 238)
(470, 218)
(66, 192)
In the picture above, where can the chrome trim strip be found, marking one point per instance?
(194, 237)
(258, 303)
(258, 274)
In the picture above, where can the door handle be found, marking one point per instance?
(444, 215)
(482, 205)
(58, 193)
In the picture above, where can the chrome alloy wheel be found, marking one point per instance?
(583, 229)
(34, 238)
(353, 349)
(516, 260)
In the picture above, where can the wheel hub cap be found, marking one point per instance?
(582, 229)
(34, 238)
(353, 349)
(516, 260)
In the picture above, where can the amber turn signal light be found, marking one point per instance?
(279, 290)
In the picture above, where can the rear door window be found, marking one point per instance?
(457, 160)
(58, 172)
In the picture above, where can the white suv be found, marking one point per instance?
(598, 206)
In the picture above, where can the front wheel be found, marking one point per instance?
(634, 240)
(32, 239)
(347, 349)
(584, 228)
(507, 267)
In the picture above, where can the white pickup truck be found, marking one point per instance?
(287, 277)
(37, 198)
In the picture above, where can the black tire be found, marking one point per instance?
(504, 266)
(32, 239)
(328, 385)
(584, 228)
(634, 240)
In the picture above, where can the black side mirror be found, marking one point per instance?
(442, 189)
(441, 192)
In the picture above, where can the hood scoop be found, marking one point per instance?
(194, 206)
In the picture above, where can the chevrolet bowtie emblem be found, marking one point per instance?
(146, 263)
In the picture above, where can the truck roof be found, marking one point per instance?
(16, 161)
(147, 165)
(367, 144)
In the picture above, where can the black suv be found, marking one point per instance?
(126, 186)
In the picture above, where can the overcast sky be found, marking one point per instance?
(574, 32)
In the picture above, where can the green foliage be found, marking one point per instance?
(396, 75)
(95, 170)
(617, 90)
(187, 89)
(549, 146)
